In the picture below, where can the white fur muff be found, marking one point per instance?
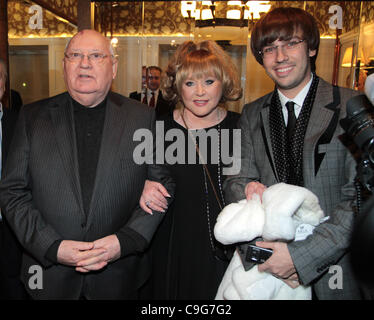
(284, 208)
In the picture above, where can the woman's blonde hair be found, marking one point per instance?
(198, 60)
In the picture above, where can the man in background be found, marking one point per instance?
(153, 95)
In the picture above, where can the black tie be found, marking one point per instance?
(291, 119)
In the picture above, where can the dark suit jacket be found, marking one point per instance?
(162, 106)
(10, 249)
(328, 171)
(43, 203)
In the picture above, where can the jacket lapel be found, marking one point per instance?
(61, 112)
(265, 132)
(321, 126)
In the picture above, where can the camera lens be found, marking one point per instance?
(370, 150)
(359, 124)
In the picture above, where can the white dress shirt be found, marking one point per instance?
(298, 100)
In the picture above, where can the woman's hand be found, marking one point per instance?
(254, 187)
(154, 197)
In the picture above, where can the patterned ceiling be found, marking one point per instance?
(161, 18)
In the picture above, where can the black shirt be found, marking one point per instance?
(89, 123)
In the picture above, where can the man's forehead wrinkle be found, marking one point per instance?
(95, 37)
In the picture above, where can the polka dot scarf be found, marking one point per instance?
(288, 155)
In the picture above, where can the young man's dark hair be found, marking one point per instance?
(283, 23)
(154, 68)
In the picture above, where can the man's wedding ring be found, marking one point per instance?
(147, 203)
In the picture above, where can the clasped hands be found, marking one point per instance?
(280, 264)
(89, 256)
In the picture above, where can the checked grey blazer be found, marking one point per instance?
(328, 171)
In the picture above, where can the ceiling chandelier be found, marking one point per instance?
(223, 13)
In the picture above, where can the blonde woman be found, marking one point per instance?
(188, 263)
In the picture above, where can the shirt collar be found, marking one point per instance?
(149, 94)
(300, 97)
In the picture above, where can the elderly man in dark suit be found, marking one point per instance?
(152, 95)
(71, 186)
(298, 143)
